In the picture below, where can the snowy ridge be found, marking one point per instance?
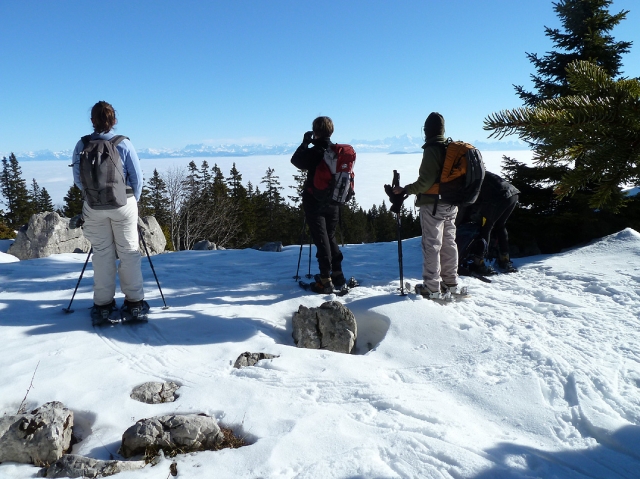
(396, 144)
(535, 375)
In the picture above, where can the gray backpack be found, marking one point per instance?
(103, 182)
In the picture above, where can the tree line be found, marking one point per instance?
(202, 203)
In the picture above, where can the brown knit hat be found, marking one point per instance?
(434, 125)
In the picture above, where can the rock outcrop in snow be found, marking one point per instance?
(184, 433)
(155, 392)
(47, 234)
(153, 236)
(251, 359)
(332, 326)
(50, 233)
(71, 465)
(39, 437)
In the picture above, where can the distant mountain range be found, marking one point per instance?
(392, 145)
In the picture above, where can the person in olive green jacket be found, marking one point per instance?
(437, 219)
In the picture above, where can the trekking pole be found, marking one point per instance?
(304, 222)
(144, 243)
(309, 273)
(68, 308)
(396, 182)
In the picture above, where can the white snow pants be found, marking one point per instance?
(439, 251)
(110, 231)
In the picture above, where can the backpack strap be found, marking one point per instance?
(116, 140)
(85, 140)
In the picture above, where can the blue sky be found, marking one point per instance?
(244, 71)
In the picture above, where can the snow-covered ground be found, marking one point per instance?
(373, 170)
(535, 375)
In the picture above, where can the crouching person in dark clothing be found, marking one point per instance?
(322, 216)
(498, 198)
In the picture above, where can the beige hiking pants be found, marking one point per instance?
(110, 231)
(439, 251)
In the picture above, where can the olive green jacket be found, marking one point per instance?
(430, 170)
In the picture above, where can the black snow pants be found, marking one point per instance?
(496, 215)
(323, 220)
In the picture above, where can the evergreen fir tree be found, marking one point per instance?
(586, 36)
(45, 202)
(15, 192)
(234, 182)
(158, 198)
(72, 202)
(594, 134)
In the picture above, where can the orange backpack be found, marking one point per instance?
(461, 176)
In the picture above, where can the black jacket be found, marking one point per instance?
(308, 158)
(495, 189)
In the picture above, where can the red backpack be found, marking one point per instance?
(334, 178)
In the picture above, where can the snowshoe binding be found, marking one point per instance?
(135, 311)
(105, 315)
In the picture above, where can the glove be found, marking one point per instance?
(308, 138)
(76, 222)
(396, 199)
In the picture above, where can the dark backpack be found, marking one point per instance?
(461, 177)
(101, 174)
(333, 180)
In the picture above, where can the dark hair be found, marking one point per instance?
(103, 117)
(322, 127)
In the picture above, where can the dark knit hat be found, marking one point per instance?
(434, 125)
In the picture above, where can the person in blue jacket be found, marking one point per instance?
(114, 230)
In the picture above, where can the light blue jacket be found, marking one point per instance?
(130, 163)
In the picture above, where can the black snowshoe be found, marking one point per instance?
(133, 312)
(105, 315)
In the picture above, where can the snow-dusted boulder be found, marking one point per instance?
(272, 246)
(186, 433)
(250, 359)
(155, 392)
(332, 326)
(71, 465)
(47, 234)
(204, 245)
(39, 437)
(153, 236)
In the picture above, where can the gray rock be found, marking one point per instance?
(332, 326)
(39, 437)
(250, 359)
(47, 234)
(204, 245)
(71, 465)
(155, 392)
(182, 433)
(153, 236)
(273, 246)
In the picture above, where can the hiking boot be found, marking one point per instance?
(454, 289)
(103, 314)
(338, 279)
(425, 292)
(480, 267)
(135, 310)
(322, 286)
(505, 264)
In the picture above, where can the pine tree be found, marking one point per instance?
(14, 189)
(595, 133)
(586, 25)
(158, 198)
(72, 202)
(45, 202)
(234, 183)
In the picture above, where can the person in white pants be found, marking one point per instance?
(437, 219)
(115, 230)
